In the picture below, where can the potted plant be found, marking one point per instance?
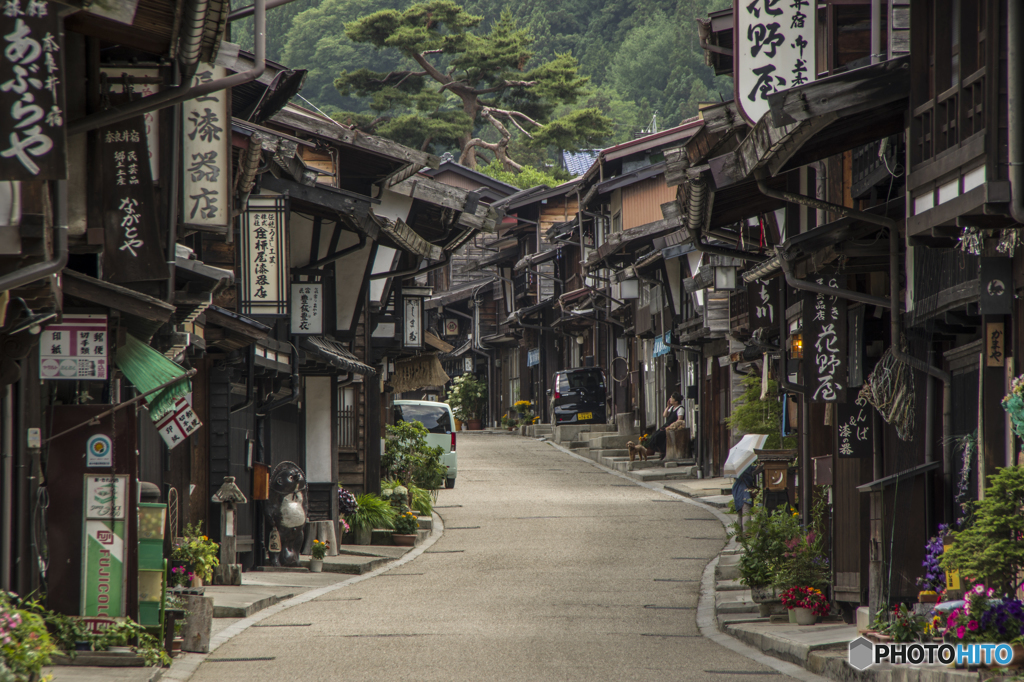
(316, 556)
(989, 549)
(371, 512)
(763, 539)
(985, 618)
(406, 527)
(933, 582)
(807, 603)
(422, 500)
(25, 644)
(198, 551)
(466, 398)
(409, 459)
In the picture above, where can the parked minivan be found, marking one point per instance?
(578, 396)
(440, 425)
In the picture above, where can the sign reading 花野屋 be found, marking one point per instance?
(206, 156)
(264, 285)
(74, 349)
(132, 250)
(103, 583)
(178, 424)
(825, 345)
(773, 50)
(307, 308)
(33, 142)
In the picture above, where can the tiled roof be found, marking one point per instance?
(577, 163)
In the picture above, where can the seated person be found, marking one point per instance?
(672, 412)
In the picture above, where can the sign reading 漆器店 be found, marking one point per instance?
(773, 50)
(264, 283)
(33, 144)
(206, 155)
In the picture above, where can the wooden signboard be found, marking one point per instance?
(132, 250)
(825, 345)
(34, 144)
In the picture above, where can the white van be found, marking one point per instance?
(440, 425)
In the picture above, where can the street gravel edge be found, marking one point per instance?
(186, 664)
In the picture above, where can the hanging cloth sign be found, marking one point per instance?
(132, 251)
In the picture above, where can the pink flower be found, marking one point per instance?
(979, 589)
(960, 632)
(33, 635)
(972, 626)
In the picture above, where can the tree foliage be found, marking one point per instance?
(750, 414)
(524, 179)
(460, 82)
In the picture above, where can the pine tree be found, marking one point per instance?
(465, 83)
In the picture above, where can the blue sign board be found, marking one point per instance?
(533, 357)
(661, 346)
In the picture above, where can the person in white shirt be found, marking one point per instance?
(673, 411)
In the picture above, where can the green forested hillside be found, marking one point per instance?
(642, 56)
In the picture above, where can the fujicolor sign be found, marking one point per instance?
(103, 575)
(863, 654)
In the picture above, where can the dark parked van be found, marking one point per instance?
(579, 396)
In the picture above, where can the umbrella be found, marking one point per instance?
(742, 454)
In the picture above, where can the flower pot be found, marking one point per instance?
(176, 645)
(404, 540)
(362, 535)
(316, 565)
(197, 581)
(792, 616)
(923, 598)
(83, 646)
(474, 425)
(804, 616)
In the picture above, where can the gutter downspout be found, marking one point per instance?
(266, 409)
(182, 92)
(338, 255)
(172, 227)
(1014, 105)
(696, 209)
(31, 273)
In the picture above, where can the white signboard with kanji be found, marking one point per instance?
(74, 349)
(412, 325)
(178, 424)
(307, 308)
(206, 155)
(264, 288)
(773, 50)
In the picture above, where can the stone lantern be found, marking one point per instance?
(229, 497)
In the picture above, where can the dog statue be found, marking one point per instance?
(636, 451)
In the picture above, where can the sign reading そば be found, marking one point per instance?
(774, 49)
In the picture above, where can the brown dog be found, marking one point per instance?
(636, 450)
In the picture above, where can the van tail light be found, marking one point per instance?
(557, 395)
(453, 441)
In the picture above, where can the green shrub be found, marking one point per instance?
(373, 513)
(409, 459)
(25, 644)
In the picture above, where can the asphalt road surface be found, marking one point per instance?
(549, 569)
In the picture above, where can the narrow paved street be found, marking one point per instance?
(548, 569)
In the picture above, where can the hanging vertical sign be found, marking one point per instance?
(307, 308)
(34, 142)
(264, 283)
(856, 352)
(774, 49)
(178, 424)
(132, 250)
(763, 304)
(825, 344)
(103, 558)
(995, 345)
(996, 293)
(206, 156)
(143, 82)
(74, 349)
(854, 429)
(412, 324)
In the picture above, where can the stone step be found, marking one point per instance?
(659, 474)
(542, 429)
(610, 441)
(728, 567)
(584, 452)
(730, 586)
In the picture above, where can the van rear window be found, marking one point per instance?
(435, 419)
(581, 380)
